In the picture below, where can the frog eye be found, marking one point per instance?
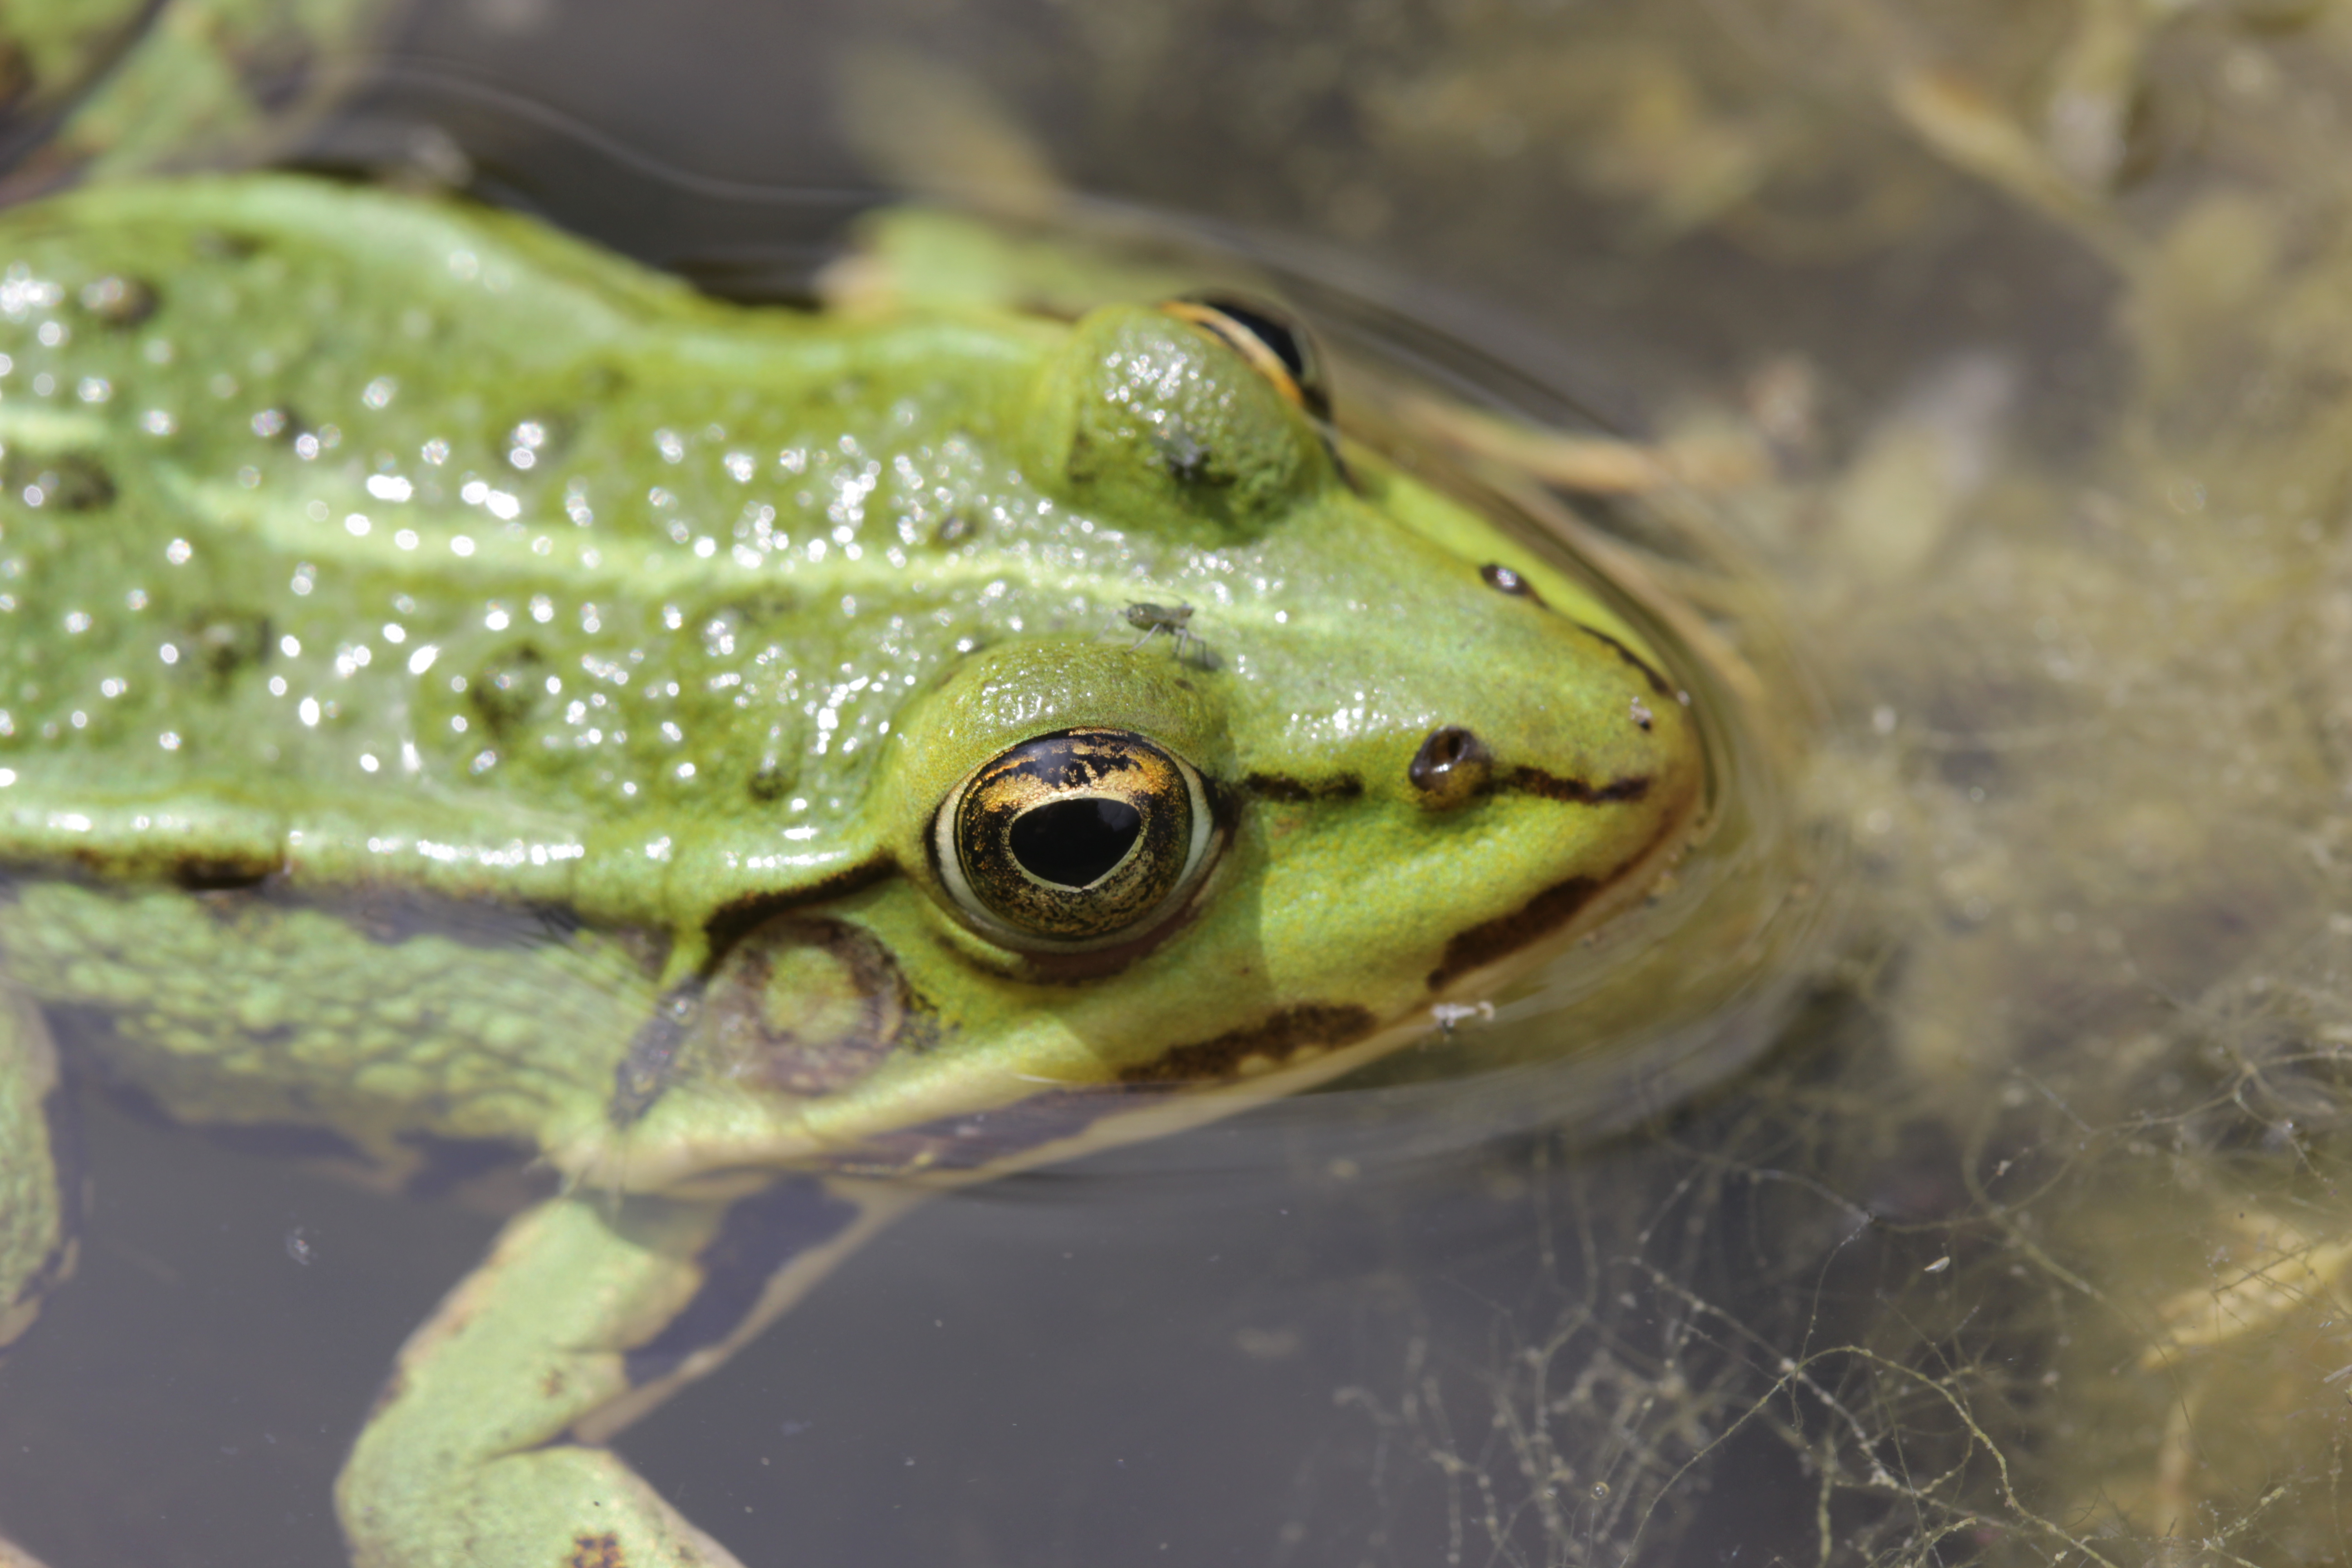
(1073, 839)
(1275, 343)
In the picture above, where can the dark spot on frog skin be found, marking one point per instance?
(772, 780)
(780, 760)
(509, 690)
(596, 1552)
(757, 1236)
(68, 481)
(1320, 1024)
(119, 301)
(1187, 461)
(215, 644)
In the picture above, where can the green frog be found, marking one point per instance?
(465, 699)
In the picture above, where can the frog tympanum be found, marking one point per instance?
(463, 695)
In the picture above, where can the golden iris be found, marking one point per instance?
(1076, 836)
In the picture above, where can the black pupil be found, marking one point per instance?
(1072, 843)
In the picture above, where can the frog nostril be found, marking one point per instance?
(1451, 767)
(1503, 580)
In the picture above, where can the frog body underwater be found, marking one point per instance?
(464, 695)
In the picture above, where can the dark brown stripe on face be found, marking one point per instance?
(1538, 917)
(1657, 682)
(1277, 786)
(1551, 786)
(1277, 1039)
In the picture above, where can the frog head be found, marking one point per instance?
(795, 659)
(1097, 875)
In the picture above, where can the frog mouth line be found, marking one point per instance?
(973, 1140)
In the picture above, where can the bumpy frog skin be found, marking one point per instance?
(461, 695)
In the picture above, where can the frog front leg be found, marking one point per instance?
(36, 1230)
(486, 1445)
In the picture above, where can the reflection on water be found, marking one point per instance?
(2007, 346)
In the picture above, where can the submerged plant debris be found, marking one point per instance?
(2032, 1243)
(1998, 356)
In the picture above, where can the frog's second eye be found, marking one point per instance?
(1275, 345)
(1073, 839)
